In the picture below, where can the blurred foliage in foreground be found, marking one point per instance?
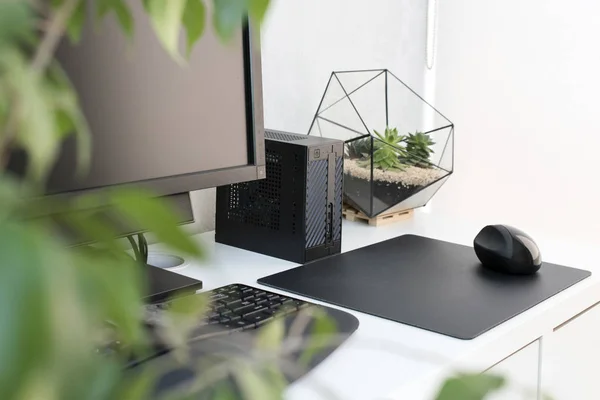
(57, 303)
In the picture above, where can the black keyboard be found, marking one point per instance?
(235, 308)
(242, 309)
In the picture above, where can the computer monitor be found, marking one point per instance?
(161, 125)
(155, 123)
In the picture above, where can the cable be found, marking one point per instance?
(431, 38)
(135, 248)
(143, 248)
(140, 249)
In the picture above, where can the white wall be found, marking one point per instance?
(303, 41)
(203, 206)
(521, 80)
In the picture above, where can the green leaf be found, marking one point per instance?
(90, 225)
(270, 337)
(166, 19)
(122, 12)
(224, 391)
(385, 164)
(379, 156)
(69, 118)
(16, 22)
(114, 287)
(194, 20)
(13, 193)
(470, 387)
(253, 385)
(34, 128)
(96, 380)
(76, 22)
(322, 332)
(228, 16)
(141, 208)
(379, 135)
(257, 9)
(124, 17)
(138, 386)
(26, 337)
(182, 318)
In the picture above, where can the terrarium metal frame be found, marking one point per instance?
(387, 186)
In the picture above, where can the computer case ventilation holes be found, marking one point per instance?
(295, 213)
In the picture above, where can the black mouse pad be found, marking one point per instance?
(427, 283)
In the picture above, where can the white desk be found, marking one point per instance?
(385, 360)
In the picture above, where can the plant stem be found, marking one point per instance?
(56, 29)
(41, 60)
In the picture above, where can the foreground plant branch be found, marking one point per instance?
(54, 33)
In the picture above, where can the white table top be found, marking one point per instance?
(385, 359)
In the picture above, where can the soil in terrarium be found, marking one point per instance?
(400, 167)
(389, 187)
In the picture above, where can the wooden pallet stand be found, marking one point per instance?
(352, 214)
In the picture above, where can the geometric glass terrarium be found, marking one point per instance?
(399, 150)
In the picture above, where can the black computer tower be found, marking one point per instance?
(296, 212)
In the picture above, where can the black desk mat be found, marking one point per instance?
(427, 283)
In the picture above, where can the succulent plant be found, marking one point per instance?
(387, 151)
(360, 148)
(418, 148)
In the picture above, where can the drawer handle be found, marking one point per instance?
(573, 318)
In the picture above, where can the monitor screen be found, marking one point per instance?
(156, 121)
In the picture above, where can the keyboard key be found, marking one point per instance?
(217, 307)
(244, 310)
(238, 307)
(234, 304)
(270, 311)
(258, 318)
(234, 295)
(255, 308)
(272, 304)
(244, 324)
(241, 305)
(217, 296)
(249, 309)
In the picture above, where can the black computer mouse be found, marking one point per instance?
(508, 250)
